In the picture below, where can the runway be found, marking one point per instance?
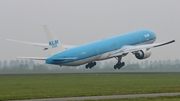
(61, 74)
(105, 97)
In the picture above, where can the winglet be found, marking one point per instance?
(165, 43)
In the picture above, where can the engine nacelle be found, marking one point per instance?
(143, 54)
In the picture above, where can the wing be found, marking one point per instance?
(127, 49)
(45, 46)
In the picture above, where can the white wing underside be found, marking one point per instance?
(128, 49)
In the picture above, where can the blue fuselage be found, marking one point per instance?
(95, 51)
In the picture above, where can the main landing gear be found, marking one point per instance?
(90, 65)
(120, 64)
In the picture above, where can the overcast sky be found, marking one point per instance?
(76, 22)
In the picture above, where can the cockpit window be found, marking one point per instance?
(146, 35)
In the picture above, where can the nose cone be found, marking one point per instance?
(153, 35)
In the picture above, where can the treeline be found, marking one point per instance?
(31, 66)
(149, 65)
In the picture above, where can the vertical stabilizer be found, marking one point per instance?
(55, 45)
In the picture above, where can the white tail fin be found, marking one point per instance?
(54, 44)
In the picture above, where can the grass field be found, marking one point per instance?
(32, 87)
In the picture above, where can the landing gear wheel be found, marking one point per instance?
(115, 66)
(94, 64)
(90, 65)
(120, 64)
(87, 66)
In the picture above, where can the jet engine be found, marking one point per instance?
(142, 54)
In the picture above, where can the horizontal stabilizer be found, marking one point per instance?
(45, 46)
(33, 58)
(30, 43)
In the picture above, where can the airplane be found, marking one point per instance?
(139, 43)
